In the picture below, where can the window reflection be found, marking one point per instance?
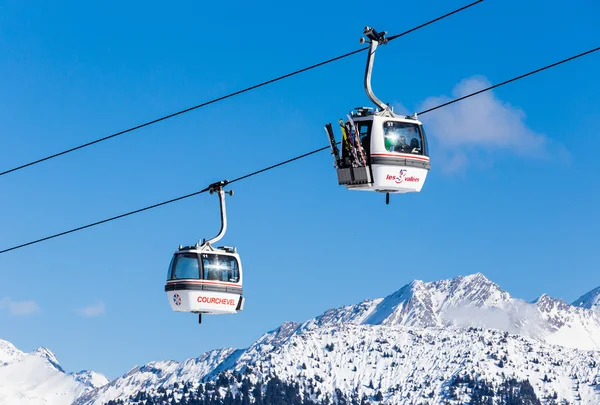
(402, 137)
(220, 268)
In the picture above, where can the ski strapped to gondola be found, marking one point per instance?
(359, 147)
(351, 168)
(334, 149)
(348, 146)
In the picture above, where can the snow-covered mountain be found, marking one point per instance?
(37, 378)
(456, 341)
(590, 300)
(475, 301)
(441, 342)
(9, 353)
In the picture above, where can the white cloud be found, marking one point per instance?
(18, 308)
(455, 162)
(480, 125)
(93, 310)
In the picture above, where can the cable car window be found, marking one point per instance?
(170, 272)
(364, 129)
(402, 137)
(425, 143)
(186, 266)
(220, 267)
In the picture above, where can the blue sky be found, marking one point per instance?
(513, 190)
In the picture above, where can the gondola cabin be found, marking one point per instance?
(205, 280)
(389, 153)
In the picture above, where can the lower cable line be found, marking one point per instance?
(204, 190)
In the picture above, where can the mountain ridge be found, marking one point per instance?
(425, 343)
(418, 330)
(590, 300)
(37, 378)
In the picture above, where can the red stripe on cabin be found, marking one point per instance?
(401, 156)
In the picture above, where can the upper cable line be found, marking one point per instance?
(64, 152)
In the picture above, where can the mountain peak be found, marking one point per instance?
(47, 355)
(9, 353)
(90, 379)
(547, 303)
(479, 276)
(416, 283)
(424, 304)
(476, 289)
(545, 298)
(591, 300)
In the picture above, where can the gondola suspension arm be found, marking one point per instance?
(218, 188)
(376, 38)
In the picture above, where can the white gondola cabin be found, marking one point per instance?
(381, 151)
(203, 279)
